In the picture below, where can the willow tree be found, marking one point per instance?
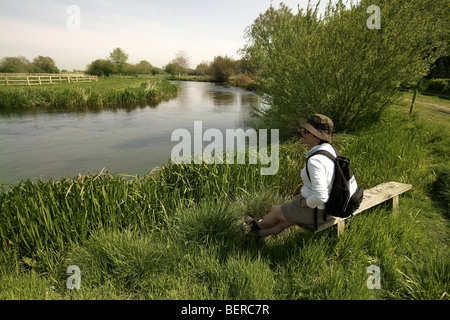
(347, 63)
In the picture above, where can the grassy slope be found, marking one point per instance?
(194, 249)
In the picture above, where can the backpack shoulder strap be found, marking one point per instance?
(324, 153)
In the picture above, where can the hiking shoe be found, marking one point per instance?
(252, 226)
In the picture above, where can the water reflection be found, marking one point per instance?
(12, 113)
(222, 96)
(134, 140)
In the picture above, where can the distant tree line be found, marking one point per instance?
(21, 64)
(117, 63)
(220, 69)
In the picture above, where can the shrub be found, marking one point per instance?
(101, 68)
(222, 68)
(437, 86)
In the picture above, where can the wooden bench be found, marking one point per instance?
(372, 197)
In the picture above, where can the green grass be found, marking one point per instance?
(176, 233)
(107, 92)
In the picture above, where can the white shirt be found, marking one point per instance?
(321, 170)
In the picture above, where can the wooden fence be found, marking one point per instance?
(21, 79)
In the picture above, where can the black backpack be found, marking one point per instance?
(341, 202)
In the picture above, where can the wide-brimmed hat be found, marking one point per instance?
(320, 126)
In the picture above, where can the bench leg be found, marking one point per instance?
(340, 227)
(395, 205)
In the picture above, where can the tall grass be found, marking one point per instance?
(115, 92)
(39, 219)
(176, 232)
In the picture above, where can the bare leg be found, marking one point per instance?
(275, 215)
(278, 228)
(274, 222)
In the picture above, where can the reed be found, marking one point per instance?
(115, 92)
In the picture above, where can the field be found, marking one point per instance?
(176, 232)
(107, 92)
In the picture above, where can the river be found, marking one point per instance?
(46, 145)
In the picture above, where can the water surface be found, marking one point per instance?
(42, 144)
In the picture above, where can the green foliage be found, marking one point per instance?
(117, 64)
(101, 68)
(440, 68)
(243, 81)
(15, 65)
(119, 57)
(222, 68)
(143, 67)
(21, 64)
(44, 65)
(335, 64)
(179, 65)
(124, 92)
(436, 86)
(172, 69)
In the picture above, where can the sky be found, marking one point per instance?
(76, 32)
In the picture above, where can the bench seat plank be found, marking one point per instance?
(372, 197)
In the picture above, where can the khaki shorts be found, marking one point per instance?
(294, 212)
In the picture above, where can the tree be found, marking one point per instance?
(202, 69)
(21, 64)
(44, 65)
(222, 68)
(156, 70)
(180, 64)
(130, 69)
(16, 65)
(334, 64)
(171, 69)
(101, 68)
(119, 58)
(440, 69)
(144, 67)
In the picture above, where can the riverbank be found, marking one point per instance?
(175, 233)
(238, 81)
(123, 92)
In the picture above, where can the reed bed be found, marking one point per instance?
(115, 92)
(40, 218)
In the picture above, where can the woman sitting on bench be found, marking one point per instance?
(316, 132)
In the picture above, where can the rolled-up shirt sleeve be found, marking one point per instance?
(319, 182)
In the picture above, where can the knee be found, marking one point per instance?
(276, 211)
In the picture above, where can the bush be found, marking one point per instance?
(243, 81)
(101, 68)
(222, 68)
(437, 86)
